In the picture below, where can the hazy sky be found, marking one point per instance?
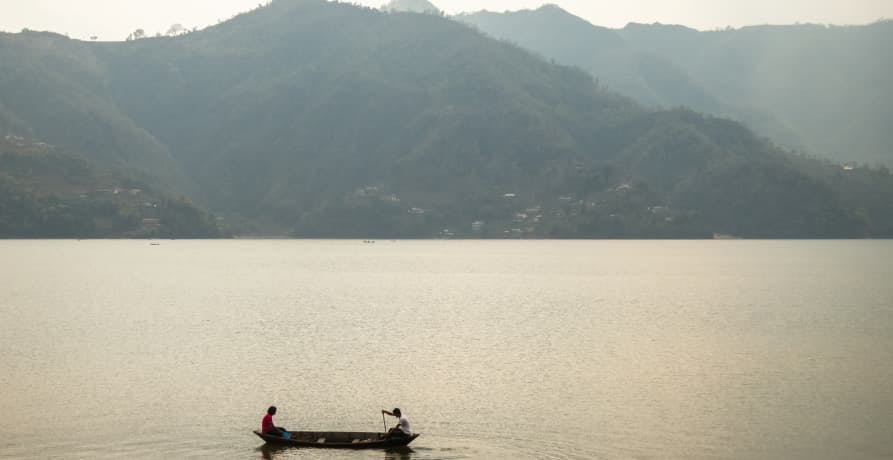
(114, 19)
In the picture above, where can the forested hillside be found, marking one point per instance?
(55, 89)
(824, 90)
(321, 119)
(47, 193)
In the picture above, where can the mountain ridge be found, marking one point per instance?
(330, 120)
(412, 6)
(773, 78)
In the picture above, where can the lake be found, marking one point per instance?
(493, 349)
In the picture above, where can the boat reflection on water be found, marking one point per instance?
(274, 452)
(269, 452)
(399, 453)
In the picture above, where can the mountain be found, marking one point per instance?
(794, 84)
(412, 6)
(558, 35)
(48, 193)
(323, 119)
(54, 89)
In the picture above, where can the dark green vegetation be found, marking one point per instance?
(825, 90)
(321, 119)
(45, 193)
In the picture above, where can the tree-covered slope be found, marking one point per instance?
(306, 111)
(47, 193)
(829, 84)
(330, 120)
(649, 77)
(814, 88)
(55, 89)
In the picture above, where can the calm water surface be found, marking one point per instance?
(501, 350)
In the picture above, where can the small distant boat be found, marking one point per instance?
(154, 243)
(725, 236)
(338, 440)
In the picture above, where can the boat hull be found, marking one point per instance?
(338, 440)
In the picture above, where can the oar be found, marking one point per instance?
(384, 422)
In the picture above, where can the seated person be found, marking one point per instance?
(266, 425)
(402, 428)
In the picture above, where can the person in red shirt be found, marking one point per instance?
(267, 426)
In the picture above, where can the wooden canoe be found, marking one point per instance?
(338, 440)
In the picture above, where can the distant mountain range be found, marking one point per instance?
(411, 6)
(318, 119)
(824, 90)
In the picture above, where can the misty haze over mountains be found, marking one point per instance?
(318, 119)
(808, 87)
(411, 6)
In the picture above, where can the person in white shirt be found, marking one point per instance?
(402, 428)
